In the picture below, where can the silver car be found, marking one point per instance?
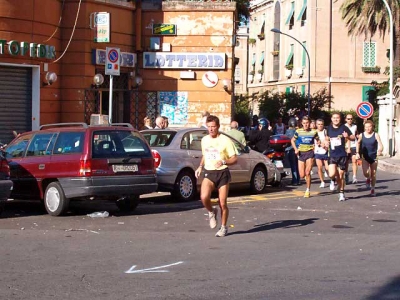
(177, 154)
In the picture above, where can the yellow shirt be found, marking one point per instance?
(217, 149)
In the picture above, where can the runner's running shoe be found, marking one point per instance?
(222, 231)
(213, 217)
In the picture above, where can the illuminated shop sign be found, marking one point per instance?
(16, 48)
(164, 29)
(179, 60)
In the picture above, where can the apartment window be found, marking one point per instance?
(304, 56)
(288, 90)
(369, 54)
(303, 90)
(289, 60)
(253, 61)
(290, 18)
(262, 62)
(303, 13)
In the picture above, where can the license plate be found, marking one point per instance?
(278, 163)
(125, 168)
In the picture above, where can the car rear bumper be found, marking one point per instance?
(108, 186)
(5, 189)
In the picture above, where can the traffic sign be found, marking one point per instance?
(365, 110)
(112, 61)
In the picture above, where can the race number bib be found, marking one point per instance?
(335, 142)
(212, 154)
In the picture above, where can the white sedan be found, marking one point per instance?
(177, 154)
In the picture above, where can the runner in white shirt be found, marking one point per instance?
(353, 145)
(321, 152)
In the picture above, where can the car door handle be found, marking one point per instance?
(42, 166)
(195, 156)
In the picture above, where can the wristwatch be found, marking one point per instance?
(223, 162)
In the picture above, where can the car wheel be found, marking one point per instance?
(185, 188)
(258, 180)
(128, 204)
(55, 201)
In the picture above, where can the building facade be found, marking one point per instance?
(345, 66)
(175, 59)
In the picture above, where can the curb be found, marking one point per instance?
(387, 166)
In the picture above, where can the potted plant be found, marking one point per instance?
(261, 36)
(260, 74)
(251, 75)
(275, 52)
(252, 41)
(289, 67)
(376, 69)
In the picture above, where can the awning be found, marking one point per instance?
(303, 9)
(262, 58)
(290, 14)
(290, 57)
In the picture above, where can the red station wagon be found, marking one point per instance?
(74, 161)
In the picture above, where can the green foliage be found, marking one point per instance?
(242, 110)
(273, 104)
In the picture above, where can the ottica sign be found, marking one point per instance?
(180, 60)
(16, 48)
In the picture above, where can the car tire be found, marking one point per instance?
(185, 188)
(258, 180)
(128, 203)
(55, 202)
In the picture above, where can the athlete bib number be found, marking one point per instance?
(212, 154)
(335, 142)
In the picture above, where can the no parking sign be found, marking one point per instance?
(365, 110)
(112, 61)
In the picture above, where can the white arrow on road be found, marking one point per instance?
(152, 270)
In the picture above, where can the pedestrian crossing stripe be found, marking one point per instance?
(267, 197)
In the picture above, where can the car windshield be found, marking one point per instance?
(119, 143)
(159, 138)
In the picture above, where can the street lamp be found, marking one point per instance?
(390, 137)
(309, 68)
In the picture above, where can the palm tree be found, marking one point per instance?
(371, 16)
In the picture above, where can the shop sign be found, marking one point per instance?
(181, 60)
(102, 25)
(164, 29)
(127, 59)
(17, 48)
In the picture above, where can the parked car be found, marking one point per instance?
(177, 154)
(5, 182)
(74, 161)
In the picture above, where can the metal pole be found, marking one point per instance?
(309, 67)
(390, 137)
(110, 100)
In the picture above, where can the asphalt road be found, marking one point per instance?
(279, 246)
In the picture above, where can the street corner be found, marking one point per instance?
(389, 164)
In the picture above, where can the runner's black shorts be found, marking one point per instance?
(303, 156)
(218, 177)
(338, 161)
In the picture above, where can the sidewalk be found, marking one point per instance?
(389, 164)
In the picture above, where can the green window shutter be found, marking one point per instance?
(303, 9)
(262, 58)
(289, 60)
(288, 90)
(304, 56)
(290, 14)
(253, 62)
(365, 92)
(303, 89)
(369, 54)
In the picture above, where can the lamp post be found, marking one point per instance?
(390, 137)
(309, 69)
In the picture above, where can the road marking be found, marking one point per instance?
(266, 197)
(152, 270)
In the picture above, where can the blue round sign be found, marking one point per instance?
(113, 56)
(365, 110)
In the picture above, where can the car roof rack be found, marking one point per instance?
(122, 125)
(55, 125)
